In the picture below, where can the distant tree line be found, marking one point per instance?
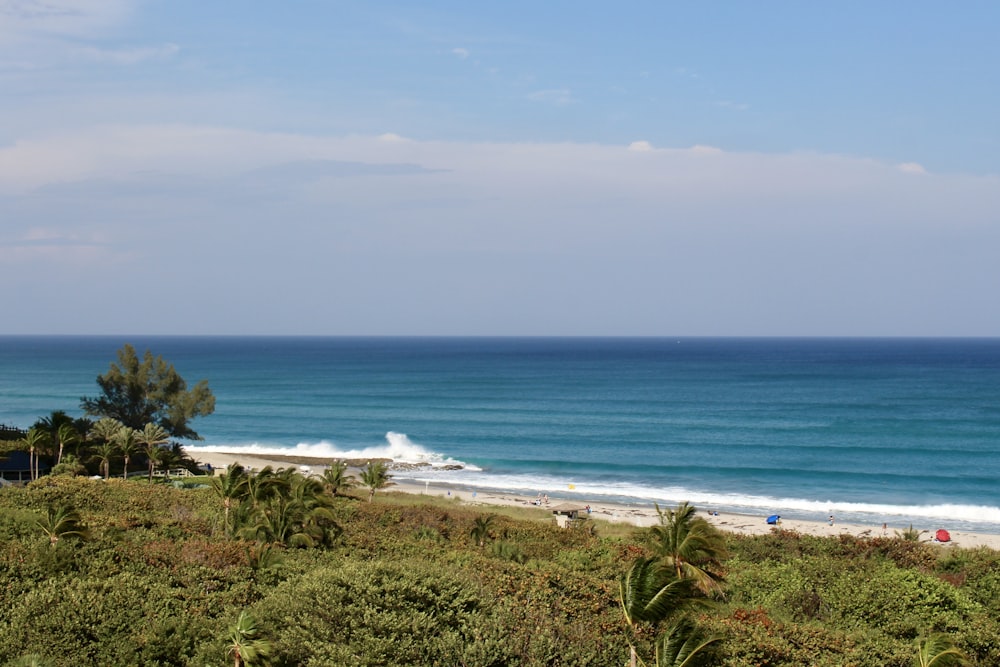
(142, 404)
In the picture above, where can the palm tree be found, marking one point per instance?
(683, 644)
(649, 593)
(265, 484)
(910, 534)
(62, 522)
(84, 427)
(335, 478)
(230, 486)
(690, 545)
(939, 650)
(245, 646)
(66, 435)
(163, 458)
(152, 436)
(52, 425)
(300, 516)
(104, 452)
(105, 429)
(34, 441)
(481, 528)
(263, 557)
(375, 476)
(125, 441)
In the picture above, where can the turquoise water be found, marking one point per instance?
(871, 429)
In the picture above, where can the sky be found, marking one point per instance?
(518, 168)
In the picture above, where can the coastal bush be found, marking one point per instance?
(509, 551)
(116, 501)
(373, 614)
(74, 620)
(17, 523)
(159, 582)
(754, 639)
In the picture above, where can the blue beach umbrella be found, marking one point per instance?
(773, 519)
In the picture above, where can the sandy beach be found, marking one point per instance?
(636, 515)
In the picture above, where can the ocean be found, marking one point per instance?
(872, 430)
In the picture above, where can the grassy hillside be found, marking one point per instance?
(403, 580)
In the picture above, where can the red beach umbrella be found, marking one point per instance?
(942, 535)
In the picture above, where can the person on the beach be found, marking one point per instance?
(831, 519)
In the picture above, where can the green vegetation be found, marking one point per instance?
(150, 391)
(375, 476)
(245, 647)
(336, 479)
(124, 572)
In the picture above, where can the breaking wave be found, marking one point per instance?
(397, 447)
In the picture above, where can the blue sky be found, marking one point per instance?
(541, 168)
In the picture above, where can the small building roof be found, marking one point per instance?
(568, 507)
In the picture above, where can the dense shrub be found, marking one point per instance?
(158, 583)
(373, 614)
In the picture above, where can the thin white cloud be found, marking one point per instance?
(699, 149)
(391, 137)
(49, 244)
(640, 146)
(554, 96)
(461, 53)
(310, 213)
(911, 168)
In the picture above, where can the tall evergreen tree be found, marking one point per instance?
(138, 392)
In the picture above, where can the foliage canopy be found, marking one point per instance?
(138, 392)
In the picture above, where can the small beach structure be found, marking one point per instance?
(566, 513)
(942, 535)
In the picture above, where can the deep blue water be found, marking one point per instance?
(875, 430)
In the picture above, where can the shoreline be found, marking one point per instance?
(636, 515)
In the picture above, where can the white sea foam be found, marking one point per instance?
(397, 447)
(873, 513)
